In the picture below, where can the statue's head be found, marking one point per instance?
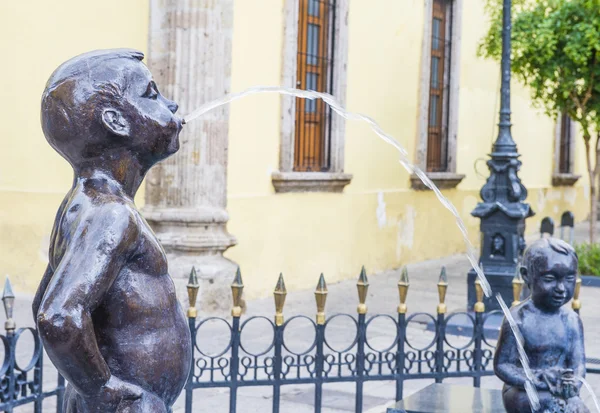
(104, 102)
(550, 271)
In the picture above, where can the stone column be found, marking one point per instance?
(186, 195)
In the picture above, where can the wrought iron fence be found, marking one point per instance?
(20, 385)
(236, 366)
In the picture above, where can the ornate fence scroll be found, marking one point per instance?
(280, 364)
(23, 384)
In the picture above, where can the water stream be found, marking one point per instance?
(412, 169)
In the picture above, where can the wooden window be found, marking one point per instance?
(564, 157)
(439, 85)
(314, 72)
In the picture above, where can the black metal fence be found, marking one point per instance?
(279, 364)
(235, 367)
(21, 385)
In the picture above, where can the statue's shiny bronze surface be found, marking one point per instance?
(106, 307)
(552, 334)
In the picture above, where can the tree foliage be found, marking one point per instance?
(556, 53)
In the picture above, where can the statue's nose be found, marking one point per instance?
(172, 106)
(560, 287)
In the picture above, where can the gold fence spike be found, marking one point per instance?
(403, 285)
(8, 299)
(363, 287)
(479, 305)
(279, 294)
(192, 290)
(576, 304)
(237, 288)
(321, 299)
(517, 285)
(442, 288)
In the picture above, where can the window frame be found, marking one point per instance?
(448, 178)
(564, 178)
(334, 180)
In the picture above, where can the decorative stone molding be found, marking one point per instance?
(190, 45)
(558, 178)
(443, 180)
(288, 104)
(564, 179)
(310, 181)
(454, 70)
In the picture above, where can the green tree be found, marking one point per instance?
(556, 53)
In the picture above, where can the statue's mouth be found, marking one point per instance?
(558, 298)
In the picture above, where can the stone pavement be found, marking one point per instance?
(342, 298)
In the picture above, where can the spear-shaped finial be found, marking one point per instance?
(403, 285)
(517, 285)
(479, 305)
(442, 288)
(280, 293)
(576, 304)
(192, 290)
(321, 299)
(363, 287)
(8, 299)
(237, 288)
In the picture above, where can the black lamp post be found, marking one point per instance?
(502, 210)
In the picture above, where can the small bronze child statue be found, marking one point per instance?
(106, 308)
(552, 334)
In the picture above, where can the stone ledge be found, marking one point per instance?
(310, 181)
(443, 180)
(564, 179)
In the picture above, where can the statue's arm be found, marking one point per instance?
(39, 295)
(576, 360)
(93, 258)
(506, 360)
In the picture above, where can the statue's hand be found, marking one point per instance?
(111, 395)
(551, 379)
(568, 384)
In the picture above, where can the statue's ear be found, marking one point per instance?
(524, 274)
(113, 120)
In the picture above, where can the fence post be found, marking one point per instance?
(8, 299)
(192, 313)
(403, 285)
(363, 287)
(60, 394)
(236, 290)
(441, 328)
(38, 381)
(478, 355)
(279, 295)
(321, 299)
(567, 220)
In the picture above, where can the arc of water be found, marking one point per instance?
(411, 168)
(530, 389)
(337, 107)
(591, 391)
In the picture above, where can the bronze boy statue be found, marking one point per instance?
(552, 334)
(106, 307)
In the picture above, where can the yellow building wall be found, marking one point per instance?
(304, 234)
(300, 235)
(35, 37)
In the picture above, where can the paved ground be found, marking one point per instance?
(382, 299)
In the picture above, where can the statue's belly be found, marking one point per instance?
(144, 335)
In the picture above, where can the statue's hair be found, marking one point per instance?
(75, 93)
(537, 251)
